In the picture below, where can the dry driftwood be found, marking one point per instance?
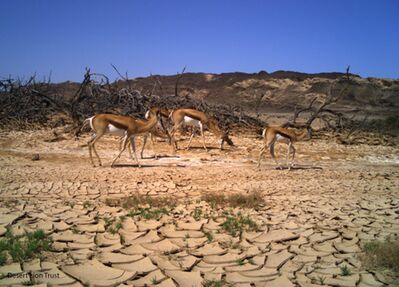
(31, 102)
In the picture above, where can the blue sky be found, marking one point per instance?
(63, 37)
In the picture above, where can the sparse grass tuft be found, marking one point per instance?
(3, 258)
(70, 204)
(253, 200)
(197, 214)
(149, 213)
(230, 244)
(144, 206)
(217, 283)
(23, 248)
(75, 230)
(137, 201)
(236, 224)
(9, 202)
(87, 204)
(382, 254)
(251, 261)
(110, 202)
(322, 279)
(209, 236)
(345, 271)
(154, 280)
(108, 221)
(114, 226)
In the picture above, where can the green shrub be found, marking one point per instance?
(382, 254)
(25, 247)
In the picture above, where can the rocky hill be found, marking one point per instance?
(283, 90)
(278, 91)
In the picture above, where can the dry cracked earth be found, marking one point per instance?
(313, 222)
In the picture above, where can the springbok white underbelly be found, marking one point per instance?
(113, 130)
(192, 122)
(281, 138)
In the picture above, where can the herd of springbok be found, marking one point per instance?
(128, 128)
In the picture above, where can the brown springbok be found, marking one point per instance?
(196, 119)
(125, 126)
(157, 130)
(271, 135)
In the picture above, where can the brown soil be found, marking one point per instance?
(315, 219)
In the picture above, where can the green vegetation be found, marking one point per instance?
(217, 283)
(146, 207)
(149, 213)
(382, 254)
(9, 202)
(388, 125)
(70, 204)
(108, 221)
(139, 201)
(87, 204)
(3, 258)
(230, 244)
(209, 236)
(322, 279)
(154, 280)
(345, 271)
(114, 229)
(236, 224)
(75, 230)
(253, 200)
(392, 121)
(114, 226)
(197, 214)
(25, 247)
(251, 261)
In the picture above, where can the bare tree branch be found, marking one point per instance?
(179, 76)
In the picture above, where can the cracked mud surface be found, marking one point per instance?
(314, 221)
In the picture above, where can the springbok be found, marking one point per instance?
(125, 126)
(271, 135)
(196, 119)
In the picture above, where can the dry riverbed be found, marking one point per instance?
(306, 227)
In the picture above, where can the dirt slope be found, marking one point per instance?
(278, 91)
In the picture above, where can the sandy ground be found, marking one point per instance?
(314, 221)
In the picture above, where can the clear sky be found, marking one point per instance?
(62, 37)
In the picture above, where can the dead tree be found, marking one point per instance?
(31, 102)
(179, 76)
(347, 72)
(79, 96)
(320, 111)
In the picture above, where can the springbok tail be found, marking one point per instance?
(79, 131)
(264, 132)
(88, 120)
